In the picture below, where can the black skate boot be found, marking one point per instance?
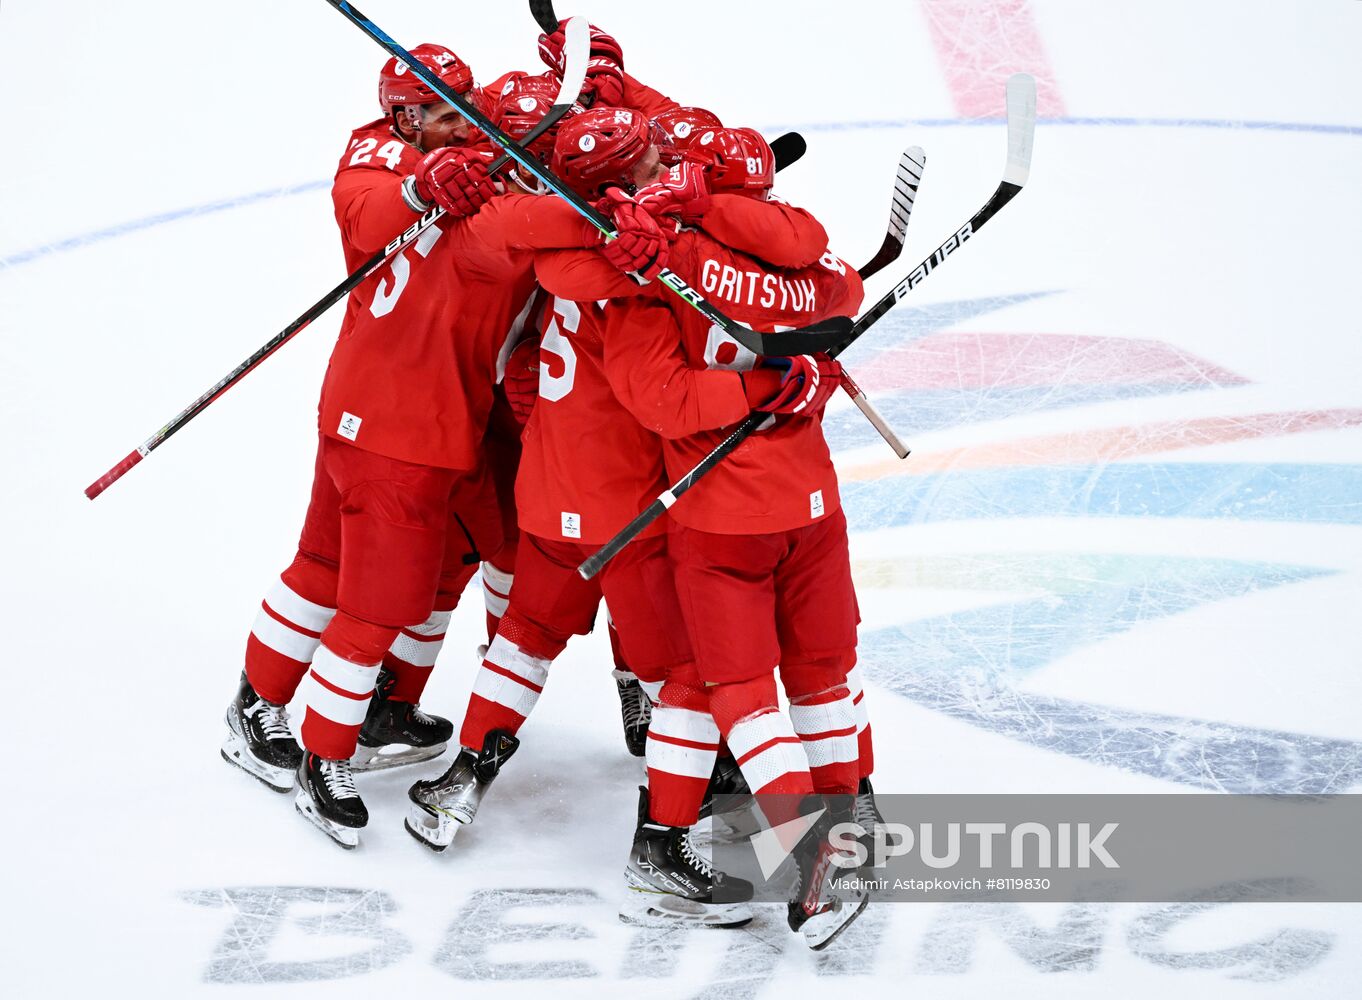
(259, 740)
(739, 819)
(398, 732)
(327, 798)
(636, 711)
(668, 884)
(820, 908)
(867, 813)
(440, 806)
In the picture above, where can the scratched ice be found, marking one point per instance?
(968, 664)
(924, 380)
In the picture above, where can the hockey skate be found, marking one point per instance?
(398, 732)
(328, 800)
(636, 712)
(819, 909)
(668, 884)
(440, 806)
(259, 740)
(866, 813)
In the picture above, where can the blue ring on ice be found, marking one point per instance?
(123, 228)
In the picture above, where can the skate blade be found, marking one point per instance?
(369, 759)
(431, 827)
(346, 836)
(661, 909)
(234, 752)
(821, 930)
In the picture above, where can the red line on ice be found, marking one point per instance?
(980, 45)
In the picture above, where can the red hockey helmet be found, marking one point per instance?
(600, 147)
(684, 125)
(740, 161)
(399, 86)
(518, 110)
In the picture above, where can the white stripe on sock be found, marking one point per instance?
(282, 639)
(287, 604)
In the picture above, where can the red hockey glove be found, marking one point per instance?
(521, 381)
(641, 246)
(603, 45)
(454, 179)
(808, 384)
(604, 87)
(683, 191)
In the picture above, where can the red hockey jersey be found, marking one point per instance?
(412, 372)
(589, 465)
(782, 476)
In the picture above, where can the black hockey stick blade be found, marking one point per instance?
(788, 148)
(906, 182)
(825, 335)
(544, 15)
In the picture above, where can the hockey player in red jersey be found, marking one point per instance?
(571, 500)
(374, 196)
(761, 558)
(727, 153)
(400, 510)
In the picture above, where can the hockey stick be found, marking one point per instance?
(576, 50)
(788, 148)
(816, 337)
(1021, 130)
(544, 15)
(906, 182)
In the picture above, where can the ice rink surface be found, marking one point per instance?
(1124, 557)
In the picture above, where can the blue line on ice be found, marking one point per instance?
(1322, 493)
(123, 228)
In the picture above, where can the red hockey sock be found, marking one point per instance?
(341, 682)
(760, 737)
(496, 593)
(288, 628)
(865, 744)
(412, 655)
(682, 744)
(510, 680)
(823, 715)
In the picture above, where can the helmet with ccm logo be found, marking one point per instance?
(600, 147)
(740, 161)
(398, 86)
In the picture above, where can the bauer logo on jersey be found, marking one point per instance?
(349, 426)
(816, 508)
(572, 525)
